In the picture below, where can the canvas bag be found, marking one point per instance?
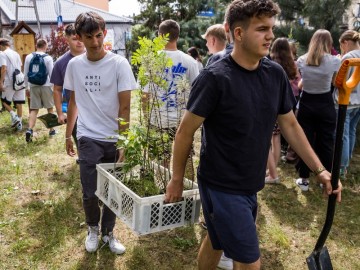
(18, 77)
(37, 69)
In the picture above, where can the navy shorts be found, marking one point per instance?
(230, 221)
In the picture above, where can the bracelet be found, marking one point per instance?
(68, 138)
(319, 170)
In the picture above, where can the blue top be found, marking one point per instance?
(58, 73)
(240, 108)
(217, 56)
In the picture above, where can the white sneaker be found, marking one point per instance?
(114, 245)
(225, 263)
(15, 120)
(19, 126)
(269, 180)
(302, 183)
(92, 239)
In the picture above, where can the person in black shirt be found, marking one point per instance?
(238, 99)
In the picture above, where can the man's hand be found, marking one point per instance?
(62, 118)
(325, 178)
(174, 191)
(121, 156)
(70, 147)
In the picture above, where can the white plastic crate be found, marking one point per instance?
(149, 214)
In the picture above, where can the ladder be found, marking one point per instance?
(34, 6)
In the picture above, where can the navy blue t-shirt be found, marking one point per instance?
(240, 108)
(58, 73)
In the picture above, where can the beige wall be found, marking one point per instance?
(100, 4)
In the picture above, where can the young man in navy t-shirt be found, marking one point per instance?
(238, 100)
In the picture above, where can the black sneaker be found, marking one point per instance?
(29, 135)
(52, 132)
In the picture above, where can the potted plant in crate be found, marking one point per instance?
(134, 189)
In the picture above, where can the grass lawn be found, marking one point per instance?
(42, 222)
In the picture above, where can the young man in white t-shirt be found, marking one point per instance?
(10, 60)
(167, 116)
(100, 83)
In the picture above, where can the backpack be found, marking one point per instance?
(18, 80)
(17, 77)
(37, 69)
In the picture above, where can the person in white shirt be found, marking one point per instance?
(41, 96)
(172, 101)
(100, 83)
(10, 60)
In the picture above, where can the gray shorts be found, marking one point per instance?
(41, 97)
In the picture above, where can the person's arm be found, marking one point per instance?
(3, 74)
(58, 103)
(295, 136)
(70, 123)
(300, 84)
(49, 66)
(124, 109)
(26, 70)
(124, 113)
(181, 149)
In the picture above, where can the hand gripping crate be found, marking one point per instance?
(149, 214)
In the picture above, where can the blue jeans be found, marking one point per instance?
(349, 136)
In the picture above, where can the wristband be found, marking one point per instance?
(319, 170)
(68, 138)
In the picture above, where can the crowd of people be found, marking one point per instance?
(253, 90)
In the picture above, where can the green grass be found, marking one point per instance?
(42, 222)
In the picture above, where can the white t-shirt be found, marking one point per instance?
(317, 79)
(11, 60)
(172, 101)
(96, 85)
(49, 63)
(355, 93)
(200, 65)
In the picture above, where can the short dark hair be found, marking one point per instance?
(88, 22)
(41, 43)
(241, 11)
(69, 30)
(170, 27)
(193, 51)
(4, 42)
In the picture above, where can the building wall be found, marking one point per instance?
(120, 31)
(349, 17)
(100, 4)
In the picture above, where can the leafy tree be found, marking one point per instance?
(155, 11)
(290, 9)
(326, 14)
(185, 12)
(57, 44)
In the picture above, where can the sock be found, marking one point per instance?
(12, 113)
